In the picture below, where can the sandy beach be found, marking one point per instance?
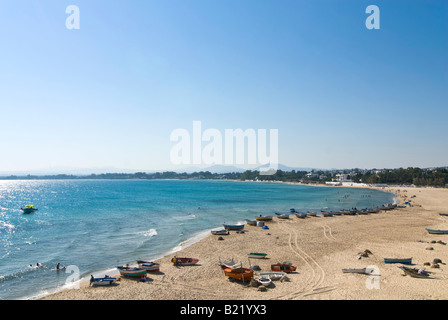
(319, 247)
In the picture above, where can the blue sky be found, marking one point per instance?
(111, 93)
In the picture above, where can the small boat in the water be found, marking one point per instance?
(131, 271)
(256, 255)
(106, 281)
(184, 261)
(149, 266)
(243, 274)
(29, 208)
(432, 231)
(397, 260)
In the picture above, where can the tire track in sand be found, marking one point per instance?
(316, 275)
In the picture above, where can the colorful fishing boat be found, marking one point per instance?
(397, 260)
(326, 213)
(243, 274)
(263, 218)
(348, 212)
(149, 266)
(251, 222)
(283, 267)
(432, 231)
(131, 271)
(106, 281)
(184, 261)
(233, 227)
(256, 255)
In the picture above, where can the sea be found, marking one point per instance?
(92, 226)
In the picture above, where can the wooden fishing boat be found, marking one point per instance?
(149, 266)
(432, 231)
(283, 267)
(106, 281)
(265, 281)
(282, 215)
(326, 213)
(348, 212)
(397, 260)
(301, 215)
(230, 264)
(222, 232)
(273, 275)
(184, 261)
(363, 211)
(243, 274)
(131, 271)
(373, 210)
(251, 222)
(263, 218)
(415, 273)
(233, 227)
(311, 214)
(361, 271)
(256, 255)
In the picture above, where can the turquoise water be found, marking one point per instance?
(96, 225)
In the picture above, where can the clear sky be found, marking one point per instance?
(111, 93)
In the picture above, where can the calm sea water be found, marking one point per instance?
(96, 225)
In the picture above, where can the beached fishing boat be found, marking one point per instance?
(131, 271)
(230, 264)
(432, 231)
(444, 214)
(415, 273)
(243, 274)
(348, 212)
(221, 232)
(301, 215)
(273, 275)
(361, 271)
(397, 260)
(184, 261)
(326, 213)
(29, 208)
(149, 266)
(255, 255)
(265, 281)
(263, 218)
(373, 210)
(251, 222)
(233, 227)
(282, 215)
(106, 281)
(283, 267)
(311, 214)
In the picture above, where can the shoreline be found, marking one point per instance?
(209, 251)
